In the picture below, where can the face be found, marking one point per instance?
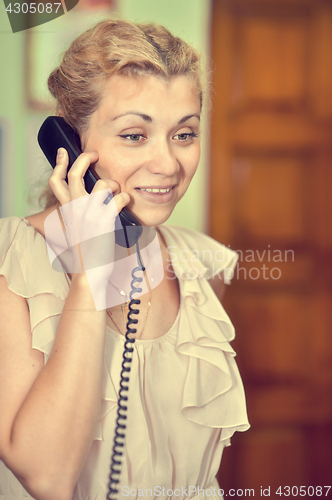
(146, 133)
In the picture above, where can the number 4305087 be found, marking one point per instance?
(33, 8)
(303, 491)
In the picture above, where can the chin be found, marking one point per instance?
(152, 217)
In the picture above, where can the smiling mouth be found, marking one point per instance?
(156, 190)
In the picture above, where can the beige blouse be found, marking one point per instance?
(186, 397)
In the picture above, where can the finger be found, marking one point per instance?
(57, 181)
(121, 200)
(96, 212)
(110, 185)
(76, 174)
(100, 200)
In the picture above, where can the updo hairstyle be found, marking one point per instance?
(115, 47)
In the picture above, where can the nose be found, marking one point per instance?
(163, 159)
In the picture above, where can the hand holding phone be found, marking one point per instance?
(55, 133)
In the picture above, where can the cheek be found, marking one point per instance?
(192, 163)
(103, 170)
(109, 166)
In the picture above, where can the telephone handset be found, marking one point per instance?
(56, 133)
(53, 134)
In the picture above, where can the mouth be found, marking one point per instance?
(157, 194)
(156, 190)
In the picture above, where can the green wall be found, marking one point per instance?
(188, 19)
(12, 108)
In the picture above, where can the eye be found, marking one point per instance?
(186, 136)
(132, 137)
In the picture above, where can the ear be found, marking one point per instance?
(59, 113)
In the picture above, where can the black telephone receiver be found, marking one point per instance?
(56, 133)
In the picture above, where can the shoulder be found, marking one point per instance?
(24, 260)
(13, 230)
(38, 220)
(16, 231)
(10, 224)
(20, 231)
(16, 236)
(199, 252)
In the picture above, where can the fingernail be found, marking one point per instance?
(60, 153)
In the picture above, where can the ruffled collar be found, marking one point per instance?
(187, 262)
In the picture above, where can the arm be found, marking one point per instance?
(49, 413)
(44, 438)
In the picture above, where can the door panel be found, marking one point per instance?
(270, 199)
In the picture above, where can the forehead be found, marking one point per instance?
(149, 95)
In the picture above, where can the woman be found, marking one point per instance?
(134, 95)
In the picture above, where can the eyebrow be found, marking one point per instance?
(148, 118)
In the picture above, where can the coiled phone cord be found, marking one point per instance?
(119, 435)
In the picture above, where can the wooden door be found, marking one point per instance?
(270, 199)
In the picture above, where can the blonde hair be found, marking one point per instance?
(115, 47)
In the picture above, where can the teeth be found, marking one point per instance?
(161, 191)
